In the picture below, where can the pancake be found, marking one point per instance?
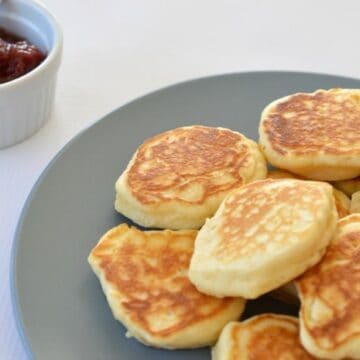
(330, 297)
(263, 337)
(348, 186)
(342, 202)
(178, 178)
(355, 203)
(315, 135)
(264, 234)
(144, 277)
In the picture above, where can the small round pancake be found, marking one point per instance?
(316, 135)
(342, 202)
(330, 297)
(348, 186)
(144, 278)
(264, 234)
(262, 337)
(178, 178)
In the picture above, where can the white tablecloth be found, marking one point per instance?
(116, 50)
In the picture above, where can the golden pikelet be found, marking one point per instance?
(330, 297)
(348, 186)
(316, 135)
(262, 337)
(263, 235)
(144, 277)
(178, 178)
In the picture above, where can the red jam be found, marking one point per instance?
(17, 56)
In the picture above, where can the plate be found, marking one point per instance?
(59, 306)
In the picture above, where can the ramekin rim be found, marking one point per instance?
(53, 55)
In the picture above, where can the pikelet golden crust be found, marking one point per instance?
(330, 297)
(144, 278)
(315, 135)
(263, 337)
(263, 235)
(178, 178)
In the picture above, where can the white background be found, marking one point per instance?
(116, 50)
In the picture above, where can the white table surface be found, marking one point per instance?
(116, 50)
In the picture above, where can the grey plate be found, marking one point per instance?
(59, 306)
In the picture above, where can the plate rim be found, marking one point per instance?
(14, 296)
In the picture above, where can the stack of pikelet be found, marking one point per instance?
(259, 232)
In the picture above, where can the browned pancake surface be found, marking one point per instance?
(149, 272)
(309, 123)
(198, 160)
(335, 284)
(269, 342)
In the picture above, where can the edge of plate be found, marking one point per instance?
(17, 312)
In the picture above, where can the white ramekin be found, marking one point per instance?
(26, 102)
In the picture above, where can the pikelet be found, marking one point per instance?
(144, 277)
(178, 178)
(316, 135)
(330, 297)
(263, 235)
(262, 337)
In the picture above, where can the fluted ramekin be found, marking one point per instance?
(26, 102)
